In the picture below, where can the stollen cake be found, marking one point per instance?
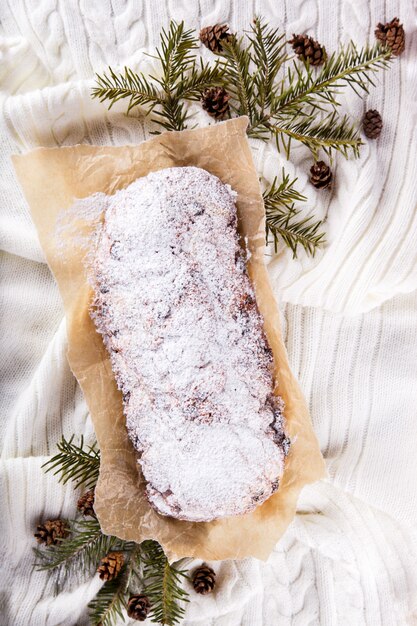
(178, 316)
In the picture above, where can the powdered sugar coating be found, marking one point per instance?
(178, 316)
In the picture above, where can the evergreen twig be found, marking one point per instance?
(110, 601)
(75, 463)
(80, 552)
(145, 564)
(284, 101)
(181, 78)
(351, 67)
(281, 218)
(163, 585)
(326, 133)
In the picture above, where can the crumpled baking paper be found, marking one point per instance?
(52, 179)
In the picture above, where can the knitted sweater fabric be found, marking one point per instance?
(349, 317)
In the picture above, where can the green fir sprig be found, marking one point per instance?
(300, 104)
(285, 99)
(146, 569)
(288, 102)
(182, 77)
(80, 552)
(107, 606)
(77, 463)
(282, 218)
(163, 585)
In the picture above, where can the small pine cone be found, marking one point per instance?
(215, 100)
(391, 35)
(204, 579)
(51, 532)
(110, 565)
(85, 504)
(138, 607)
(372, 124)
(212, 36)
(320, 175)
(307, 49)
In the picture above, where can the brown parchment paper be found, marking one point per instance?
(52, 178)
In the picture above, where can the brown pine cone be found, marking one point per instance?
(372, 124)
(51, 532)
(320, 175)
(138, 607)
(307, 49)
(212, 36)
(110, 565)
(391, 35)
(85, 504)
(204, 579)
(215, 100)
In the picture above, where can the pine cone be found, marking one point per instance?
(215, 100)
(110, 565)
(391, 35)
(307, 49)
(372, 124)
(320, 175)
(51, 532)
(138, 607)
(212, 36)
(204, 579)
(85, 504)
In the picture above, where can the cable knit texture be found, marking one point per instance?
(349, 316)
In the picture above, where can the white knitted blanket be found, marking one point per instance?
(350, 556)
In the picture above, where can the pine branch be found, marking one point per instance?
(175, 54)
(135, 87)
(328, 133)
(237, 72)
(304, 88)
(75, 463)
(299, 104)
(80, 552)
(281, 222)
(181, 78)
(162, 585)
(107, 606)
(200, 77)
(268, 56)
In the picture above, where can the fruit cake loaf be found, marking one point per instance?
(178, 316)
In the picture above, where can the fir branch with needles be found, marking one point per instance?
(107, 606)
(301, 105)
(80, 553)
(182, 77)
(286, 100)
(77, 463)
(145, 567)
(303, 87)
(328, 133)
(162, 585)
(282, 222)
(249, 67)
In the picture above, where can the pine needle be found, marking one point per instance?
(76, 463)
